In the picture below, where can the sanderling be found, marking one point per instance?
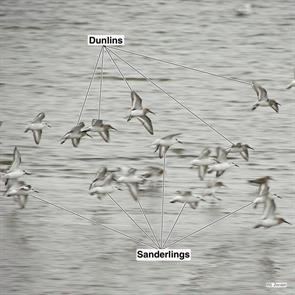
(292, 84)
(103, 187)
(270, 217)
(222, 163)
(15, 171)
(242, 149)
(263, 99)
(36, 126)
(75, 134)
(20, 191)
(137, 111)
(102, 129)
(213, 186)
(202, 162)
(187, 197)
(152, 172)
(132, 182)
(164, 143)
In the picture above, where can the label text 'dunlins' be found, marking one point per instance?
(163, 254)
(99, 40)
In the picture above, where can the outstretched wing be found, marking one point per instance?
(205, 153)
(171, 136)
(269, 209)
(260, 91)
(39, 118)
(16, 160)
(147, 123)
(221, 154)
(98, 123)
(136, 101)
(133, 189)
(37, 135)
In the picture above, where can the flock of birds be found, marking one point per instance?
(108, 180)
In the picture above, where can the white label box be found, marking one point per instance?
(167, 254)
(106, 40)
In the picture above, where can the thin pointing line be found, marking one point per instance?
(177, 101)
(163, 197)
(148, 223)
(174, 224)
(131, 218)
(88, 89)
(92, 221)
(124, 78)
(211, 223)
(101, 80)
(185, 67)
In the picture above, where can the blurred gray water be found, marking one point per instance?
(46, 66)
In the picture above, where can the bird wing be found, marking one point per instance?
(260, 91)
(244, 153)
(221, 154)
(77, 128)
(147, 123)
(171, 136)
(269, 208)
(39, 118)
(37, 135)
(75, 142)
(202, 171)
(136, 101)
(133, 189)
(205, 153)
(16, 160)
(98, 123)
(105, 135)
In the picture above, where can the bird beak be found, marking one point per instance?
(277, 196)
(113, 128)
(89, 135)
(236, 165)
(178, 141)
(249, 147)
(28, 173)
(286, 221)
(149, 111)
(34, 190)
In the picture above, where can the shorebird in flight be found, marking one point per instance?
(102, 129)
(222, 162)
(37, 126)
(202, 162)
(75, 134)
(263, 99)
(262, 182)
(187, 197)
(137, 111)
(163, 144)
(132, 181)
(242, 149)
(103, 186)
(15, 171)
(270, 217)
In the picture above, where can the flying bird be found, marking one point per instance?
(137, 111)
(75, 134)
(37, 126)
(163, 144)
(102, 129)
(263, 99)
